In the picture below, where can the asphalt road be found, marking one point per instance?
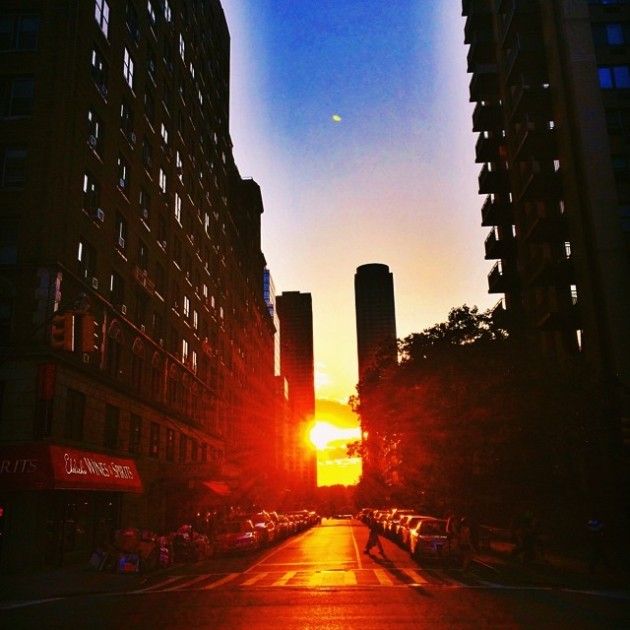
(321, 579)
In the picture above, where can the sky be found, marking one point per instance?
(393, 181)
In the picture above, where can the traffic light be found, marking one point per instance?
(62, 332)
(88, 333)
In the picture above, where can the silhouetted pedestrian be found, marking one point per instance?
(373, 540)
(465, 544)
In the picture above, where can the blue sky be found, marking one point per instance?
(393, 182)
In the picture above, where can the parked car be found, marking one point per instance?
(428, 538)
(392, 522)
(237, 535)
(264, 525)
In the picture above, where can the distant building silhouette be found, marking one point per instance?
(295, 312)
(375, 314)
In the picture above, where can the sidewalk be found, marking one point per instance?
(65, 581)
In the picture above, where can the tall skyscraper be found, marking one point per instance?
(375, 314)
(295, 312)
(133, 330)
(550, 83)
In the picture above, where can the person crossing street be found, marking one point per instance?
(373, 539)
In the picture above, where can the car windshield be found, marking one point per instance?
(433, 528)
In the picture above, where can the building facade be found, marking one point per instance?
(551, 87)
(295, 312)
(375, 315)
(133, 330)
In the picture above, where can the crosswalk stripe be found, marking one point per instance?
(284, 579)
(256, 578)
(220, 582)
(416, 576)
(383, 577)
(350, 578)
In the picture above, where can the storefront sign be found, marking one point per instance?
(50, 466)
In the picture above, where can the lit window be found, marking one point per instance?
(567, 249)
(178, 208)
(204, 290)
(101, 15)
(128, 68)
(95, 131)
(179, 166)
(186, 306)
(194, 360)
(151, 12)
(122, 172)
(182, 47)
(91, 192)
(164, 133)
(192, 70)
(167, 11)
(614, 77)
(162, 181)
(195, 320)
(99, 71)
(184, 350)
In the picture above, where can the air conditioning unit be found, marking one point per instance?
(145, 214)
(95, 283)
(132, 137)
(92, 142)
(121, 242)
(99, 215)
(122, 183)
(123, 309)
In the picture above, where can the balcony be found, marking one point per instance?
(532, 99)
(516, 15)
(482, 50)
(501, 280)
(484, 85)
(487, 117)
(534, 139)
(546, 270)
(543, 224)
(498, 248)
(555, 314)
(539, 181)
(487, 149)
(478, 18)
(525, 60)
(493, 181)
(496, 212)
(476, 7)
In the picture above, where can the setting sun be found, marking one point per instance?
(323, 433)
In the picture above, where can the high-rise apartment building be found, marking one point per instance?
(551, 87)
(136, 350)
(375, 314)
(295, 311)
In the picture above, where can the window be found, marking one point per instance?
(204, 453)
(86, 259)
(182, 47)
(170, 445)
(101, 15)
(154, 440)
(131, 19)
(91, 193)
(164, 133)
(99, 71)
(128, 68)
(183, 448)
(8, 241)
(18, 32)
(177, 252)
(116, 288)
(167, 11)
(75, 412)
(95, 131)
(16, 96)
(147, 154)
(194, 449)
(120, 236)
(179, 166)
(14, 167)
(110, 438)
(135, 433)
(184, 350)
(194, 361)
(151, 64)
(144, 202)
(162, 181)
(122, 174)
(614, 77)
(178, 208)
(143, 255)
(186, 306)
(195, 320)
(151, 13)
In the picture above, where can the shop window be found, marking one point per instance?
(170, 445)
(154, 440)
(135, 433)
(74, 416)
(110, 437)
(101, 15)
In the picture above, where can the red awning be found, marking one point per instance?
(218, 487)
(40, 466)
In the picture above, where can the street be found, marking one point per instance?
(322, 579)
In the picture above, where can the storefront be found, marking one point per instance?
(58, 503)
